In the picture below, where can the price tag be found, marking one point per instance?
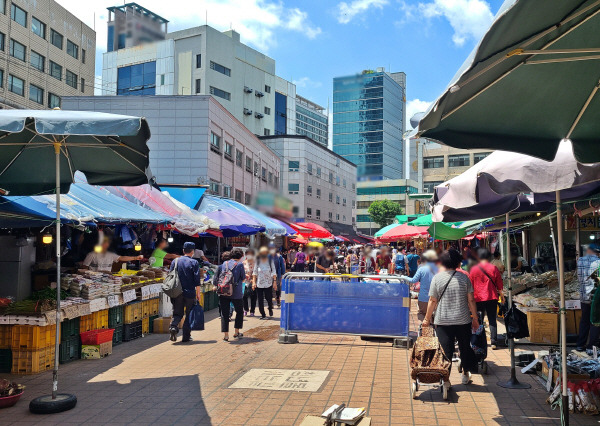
(71, 311)
(84, 309)
(129, 295)
(146, 291)
(113, 301)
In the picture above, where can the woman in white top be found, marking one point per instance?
(263, 279)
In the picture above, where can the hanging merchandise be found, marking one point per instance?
(516, 324)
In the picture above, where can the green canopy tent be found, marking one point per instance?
(385, 229)
(444, 231)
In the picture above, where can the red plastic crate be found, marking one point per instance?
(97, 337)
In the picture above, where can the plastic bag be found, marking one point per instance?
(197, 318)
(516, 324)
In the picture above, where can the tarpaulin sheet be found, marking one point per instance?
(188, 195)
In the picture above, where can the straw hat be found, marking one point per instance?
(430, 256)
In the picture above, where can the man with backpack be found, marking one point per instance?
(279, 263)
(400, 262)
(188, 271)
(264, 277)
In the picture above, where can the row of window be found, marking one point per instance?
(456, 160)
(294, 189)
(218, 145)
(387, 190)
(313, 136)
(216, 188)
(39, 28)
(309, 212)
(17, 85)
(36, 60)
(430, 186)
(294, 166)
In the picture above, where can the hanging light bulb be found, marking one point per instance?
(138, 247)
(98, 248)
(538, 214)
(592, 237)
(47, 238)
(170, 239)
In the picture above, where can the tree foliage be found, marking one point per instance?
(383, 212)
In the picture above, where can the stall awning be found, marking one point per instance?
(442, 231)
(400, 232)
(188, 195)
(232, 221)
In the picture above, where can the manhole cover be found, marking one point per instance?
(283, 380)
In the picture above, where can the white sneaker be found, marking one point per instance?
(447, 385)
(466, 378)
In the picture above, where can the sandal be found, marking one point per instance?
(238, 336)
(226, 339)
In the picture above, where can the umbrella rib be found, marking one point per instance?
(585, 105)
(17, 156)
(119, 143)
(67, 155)
(557, 60)
(121, 155)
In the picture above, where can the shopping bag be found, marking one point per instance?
(197, 318)
(516, 324)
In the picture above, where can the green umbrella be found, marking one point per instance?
(424, 220)
(42, 150)
(531, 82)
(445, 231)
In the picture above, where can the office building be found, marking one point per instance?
(311, 120)
(196, 140)
(397, 190)
(45, 53)
(130, 25)
(441, 162)
(369, 122)
(285, 107)
(320, 183)
(198, 61)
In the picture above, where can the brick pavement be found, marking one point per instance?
(153, 381)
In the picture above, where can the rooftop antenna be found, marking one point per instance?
(206, 18)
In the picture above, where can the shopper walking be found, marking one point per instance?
(413, 261)
(264, 277)
(188, 271)
(225, 256)
(451, 297)
(400, 263)
(424, 275)
(300, 260)
(279, 263)
(488, 286)
(235, 267)
(249, 292)
(497, 261)
(586, 265)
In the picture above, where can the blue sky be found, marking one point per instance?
(313, 41)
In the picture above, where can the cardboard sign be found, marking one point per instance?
(113, 301)
(128, 296)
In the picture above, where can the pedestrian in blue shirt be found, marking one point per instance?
(413, 261)
(236, 266)
(188, 270)
(424, 275)
(279, 263)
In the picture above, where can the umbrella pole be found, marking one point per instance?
(562, 312)
(512, 383)
(57, 341)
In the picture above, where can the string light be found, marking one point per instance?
(47, 238)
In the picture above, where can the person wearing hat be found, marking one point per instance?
(188, 270)
(424, 275)
(586, 265)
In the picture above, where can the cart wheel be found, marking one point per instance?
(459, 366)
(415, 388)
(484, 367)
(444, 393)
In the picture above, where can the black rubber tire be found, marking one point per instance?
(46, 405)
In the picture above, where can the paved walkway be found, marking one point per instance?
(153, 381)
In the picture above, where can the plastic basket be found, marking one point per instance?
(32, 337)
(69, 329)
(154, 306)
(86, 323)
(69, 350)
(115, 316)
(146, 309)
(132, 331)
(32, 362)
(133, 312)
(5, 360)
(96, 337)
(118, 335)
(5, 336)
(100, 319)
(146, 326)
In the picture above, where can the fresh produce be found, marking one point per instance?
(8, 388)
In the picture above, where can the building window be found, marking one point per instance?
(38, 27)
(36, 94)
(344, 218)
(255, 168)
(3, 7)
(330, 177)
(138, 79)
(37, 61)
(198, 61)
(56, 39)
(198, 85)
(17, 50)
(220, 93)
(478, 156)
(162, 79)
(2, 38)
(318, 192)
(226, 191)
(248, 164)
(267, 89)
(267, 132)
(363, 218)
(330, 216)
(318, 172)
(387, 190)
(71, 79)
(294, 166)
(309, 190)
(308, 212)
(433, 162)
(215, 141)
(247, 199)
(267, 111)
(238, 195)
(220, 68)
(18, 15)
(263, 174)
(331, 197)
(53, 101)
(429, 187)
(239, 157)
(214, 187)
(318, 214)
(83, 56)
(82, 85)
(276, 182)
(16, 85)
(56, 70)
(72, 49)
(337, 217)
(337, 180)
(344, 202)
(1, 78)
(353, 203)
(270, 180)
(344, 183)
(228, 150)
(309, 168)
(337, 199)
(459, 160)
(293, 188)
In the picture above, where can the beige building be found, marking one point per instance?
(441, 162)
(45, 53)
(397, 190)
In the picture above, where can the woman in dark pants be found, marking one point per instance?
(451, 297)
(225, 256)
(239, 275)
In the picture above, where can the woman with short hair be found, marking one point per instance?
(236, 267)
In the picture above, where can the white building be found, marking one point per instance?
(320, 183)
(198, 61)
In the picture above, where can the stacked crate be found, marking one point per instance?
(5, 350)
(115, 321)
(70, 344)
(132, 321)
(32, 348)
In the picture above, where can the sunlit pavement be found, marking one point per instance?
(153, 381)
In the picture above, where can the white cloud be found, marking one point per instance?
(414, 106)
(346, 12)
(469, 19)
(307, 82)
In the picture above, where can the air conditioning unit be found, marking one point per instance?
(259, 94)
(247, 111)
(258, 115)
(247, 89)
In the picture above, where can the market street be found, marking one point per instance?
(153, 381)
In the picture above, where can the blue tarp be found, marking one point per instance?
(272, 228)
(188, 195)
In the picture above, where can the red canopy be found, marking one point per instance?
(316, 231)
(402, 232)
(300, 240)
(341, 237)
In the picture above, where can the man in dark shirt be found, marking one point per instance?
(325, 262)
(188, 270)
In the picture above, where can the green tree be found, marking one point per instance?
(383, 212)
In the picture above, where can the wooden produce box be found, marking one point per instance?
(543, 327)
(161, 325)
(96, 351)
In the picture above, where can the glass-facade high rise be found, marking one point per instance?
(368, 115)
